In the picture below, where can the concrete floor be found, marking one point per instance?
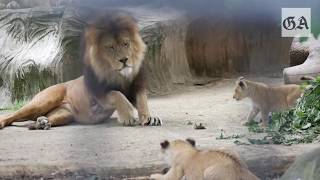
(111, 151)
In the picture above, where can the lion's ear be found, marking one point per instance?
(191, 141)
(164, 144)
(242, 84)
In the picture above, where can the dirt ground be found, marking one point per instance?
(111, 151)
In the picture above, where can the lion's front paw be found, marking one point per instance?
(41, 123)
(127, 117)
(130, 121)
(152, 121)
(156, 176)
(3, 122)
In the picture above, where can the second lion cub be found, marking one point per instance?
(193, 164)
(266, 99)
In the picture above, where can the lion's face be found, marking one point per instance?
(241, 90)
(113, 44)
(173, 148)
(118, 53)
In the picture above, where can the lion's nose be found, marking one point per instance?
(124, 60)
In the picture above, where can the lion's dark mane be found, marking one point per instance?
(113, 23)
(99, 89)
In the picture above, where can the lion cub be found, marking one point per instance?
(186, 160)
(266, 99)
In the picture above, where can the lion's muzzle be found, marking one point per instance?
(124, 61)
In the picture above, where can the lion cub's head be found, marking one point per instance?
(113, 45)
(173, 148)
(241, 91)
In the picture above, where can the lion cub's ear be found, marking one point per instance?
(191, 141)
(242, 84)
(164, 144)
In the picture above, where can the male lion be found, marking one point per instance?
(185, 160)
(112, 52)
(266, 99)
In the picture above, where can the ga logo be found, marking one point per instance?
(296, 22)
(289, 23)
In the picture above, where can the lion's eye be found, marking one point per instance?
(111, 48)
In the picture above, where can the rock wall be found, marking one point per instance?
(166, 56)
(224, 46)
(40, 47)
(30, 41)
(18, 4)
(305, 167)
(299, 52)
(305, 60)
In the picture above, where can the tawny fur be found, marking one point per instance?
(265, 98)
(112, 51)
(193, 164)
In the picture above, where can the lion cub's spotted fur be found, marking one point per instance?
(266, 99)
(185, 160)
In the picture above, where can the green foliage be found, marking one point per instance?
(233, 136)
(300, 124)
(253, 126)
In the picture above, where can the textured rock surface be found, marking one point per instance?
(30, 47)
(305, 167)
(299, 52)
(306, 56)
(224, 46)
(166, 58)
(39, 47)
(18, 4)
